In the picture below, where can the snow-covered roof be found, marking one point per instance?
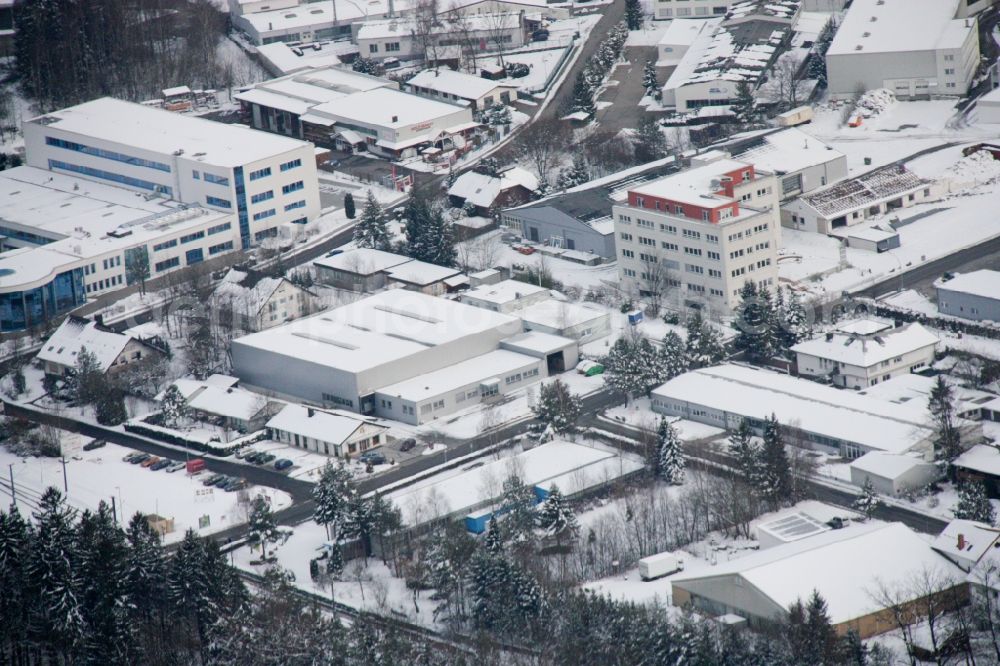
(868, 189)
(792, 527)
(782, 9)
(842, 415)
(980, 458)
(320, 14)
(868, 351)
(420, 273)
(125, 123)
(887, 465)
(388, 107)
(984, 283)
(874, 233)
(864, 326)
(684, 33)
(466, 86)
(789, 150)
(362, 261)
(845, 566)
(315, 423)
(697, 186)
(494, 364)
(246, 300)
(966, 540)
(888, 26)
(74, 334)
(234, 403)
(505, 291)
(482, 190)
(536, 341)
(284, 59)
(377, 330)
(560, 314)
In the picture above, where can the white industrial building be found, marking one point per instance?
(974, 295)
(280, 59)
(506, 296)
(268, 181)
(337, 108)
(449, 85)
(866, 352)
(680, 35)
(446, 40)
(267, 22)
(801, 162)
(840, 422)
(579, 321)
(915, 48)
(399, 354)
(703, 232)
(851, 202)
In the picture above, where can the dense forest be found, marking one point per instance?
(71, 51)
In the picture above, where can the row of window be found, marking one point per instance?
(106, 154)
(218, 203)
(56, 165)
(165, 245)
(264, 214)
(197, 235)
(292, 187)
(219, 228)
(112, 281)
(260, 173)
(337, 400)
(167, 264)
(293, 164)
(216, 180)
(262, 196)
(294, 205)
(760, 228)
(221, 247)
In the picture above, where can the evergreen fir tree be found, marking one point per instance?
(58, 622)
(824, 646)
(16, 539)
(777, 476)
(673, 356)
(372, 230)
(868, 501)
(747, 454)
(173, 407)
(332, 495)
(633, 14)
(261, 523)
(794, 322)
(649, 81)
(518, 502)
(583, 97)
(488, 166)
(188, 585)
(86, 382)
(557, 407)
(974, 503)
(555, 516)
(704, 344)
(755, 322)
(110, 407)
(334, 562)
(494, 541)
(103, 552)
(947, 437)
(623, 373)
(650, 142)
(145, 571)
(651, 365)
(745, 102)
(669, 454)
(349, 207)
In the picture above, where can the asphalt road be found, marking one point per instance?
(625, 111)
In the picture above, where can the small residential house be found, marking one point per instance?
(361, 269)
(259, 303)
(422, 276)
(506, 296)
(325, 432)
(114, 351)
(843, 566)
(219, 397)
(851, 202)
(513, 186)
(865, 352)
(446, 84)
(965, 542)
(980, 463)
(974, 295)
(892, 474)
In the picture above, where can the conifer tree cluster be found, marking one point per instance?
(764, 467)
(372, 229)
(429, 237)
(558, 407)
(768, 324)
(974, 503)
(669, 454)
(591, 78)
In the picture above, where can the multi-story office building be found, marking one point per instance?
(267, 180)
(700, 234)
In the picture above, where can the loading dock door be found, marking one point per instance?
(556, 363)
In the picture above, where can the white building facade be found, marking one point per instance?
(702, 233)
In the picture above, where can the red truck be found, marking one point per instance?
(195, 465)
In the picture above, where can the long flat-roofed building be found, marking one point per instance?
(844, 423)
(268, 181)
(702, 233)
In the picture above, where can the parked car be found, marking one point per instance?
(234, 485)
(267, 458)
(96, 444)
(161, 464)
(150, 461)
(284, 463)
(212, 480)
(176, 467)
(407, 444)
(334, 253)
(373, 457)
(222, 481)
(141, 458)
(244, 453)
(128, 456)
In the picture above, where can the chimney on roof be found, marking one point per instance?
(829, 337)
(395, 119)
(310, 412)
(961, 542)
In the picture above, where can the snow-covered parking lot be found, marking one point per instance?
(93, 476)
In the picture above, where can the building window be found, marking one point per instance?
(391, 47)
(222, 247)
(55, 165)
(192, 237)
(216, 180)
(106, 154)
(291, 165)
(264, 214)
(218, 203)
(373, 48)
(219, 228)
(167, 264)
(260, 173)
(292, 187)
(262, 196)
(294, 205)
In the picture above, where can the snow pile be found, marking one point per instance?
(979, 167)
(874, 103)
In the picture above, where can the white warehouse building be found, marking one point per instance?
(268, 181)
(915, 48)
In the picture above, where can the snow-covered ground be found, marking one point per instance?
(639, 414)
(99, 475)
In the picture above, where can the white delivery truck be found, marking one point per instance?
(796, 116)
(657, 566)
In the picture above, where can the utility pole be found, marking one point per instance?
(13, 495)
(114, 509)
(65, 482)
